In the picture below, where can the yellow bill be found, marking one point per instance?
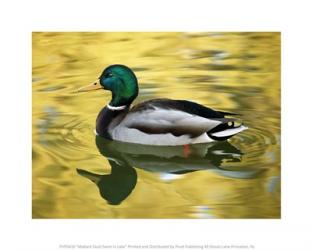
(90, 87)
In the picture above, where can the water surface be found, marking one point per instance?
(78, 175)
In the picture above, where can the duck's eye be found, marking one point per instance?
(109, 75)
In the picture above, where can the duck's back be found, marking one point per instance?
(181, 105)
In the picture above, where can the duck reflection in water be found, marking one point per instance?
(177, 160)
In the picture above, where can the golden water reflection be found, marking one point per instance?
(237, 72)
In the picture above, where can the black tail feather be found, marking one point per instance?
(224, 126)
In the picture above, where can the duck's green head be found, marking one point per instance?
(121, 81)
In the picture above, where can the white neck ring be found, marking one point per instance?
(116, 108)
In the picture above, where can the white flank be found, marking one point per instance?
(229, 132)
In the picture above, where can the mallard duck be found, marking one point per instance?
(156, 121)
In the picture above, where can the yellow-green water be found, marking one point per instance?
(76, 175)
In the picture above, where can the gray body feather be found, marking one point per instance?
(169, 122)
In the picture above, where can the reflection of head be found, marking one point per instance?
(116, 186)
